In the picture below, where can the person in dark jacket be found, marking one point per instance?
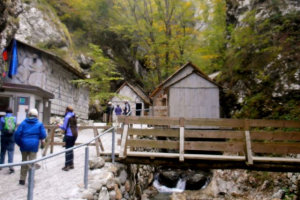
(118, 110)
(27, 137)
(127, 110)
(7, 138)
(70, 128)
(109, 112)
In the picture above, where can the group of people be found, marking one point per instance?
(118, 110)
(29, 135)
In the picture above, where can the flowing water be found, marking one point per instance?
(165, 192)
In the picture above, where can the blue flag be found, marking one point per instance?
(13, 66)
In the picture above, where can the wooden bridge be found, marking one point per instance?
(271, 145)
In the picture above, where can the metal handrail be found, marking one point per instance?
(32, 162)
(55, 154)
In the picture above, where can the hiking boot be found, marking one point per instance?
(66, 168)
(11, 170)
(21, 182)
(71, 166)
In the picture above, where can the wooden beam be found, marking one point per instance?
(123, 148)
(149, 120)
(276, 160)
(187, 156)
(225, 146)
(181, 139)
(97, 142)
(233, 123)
(276, 147)
(275, 135)
(48, 141)
(248, 148)
(52, 140)
(248, 143)
(274, 123)
(212, 164)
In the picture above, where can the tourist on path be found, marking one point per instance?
(27, 137)
(71, 132)
(118, 110)
(127, 108)
(2, 114)
(8, 125)
(109, 112)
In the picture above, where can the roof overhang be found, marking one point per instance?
(61, 61)
(11, 87)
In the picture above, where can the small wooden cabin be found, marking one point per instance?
(187, 93)
(139, 102)
(43, 81)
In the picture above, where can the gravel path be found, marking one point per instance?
(51, 183)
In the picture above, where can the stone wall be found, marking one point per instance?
(109, 181)
(39, 69)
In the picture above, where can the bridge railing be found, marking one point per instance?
(265, 141)
(50, 142)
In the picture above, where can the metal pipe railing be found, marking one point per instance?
(32, 162)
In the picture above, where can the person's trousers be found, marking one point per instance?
(7, 144)
(70, 142)
(24, 168)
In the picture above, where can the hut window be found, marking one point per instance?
(138, 107)
(164, 101)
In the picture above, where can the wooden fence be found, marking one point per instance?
(51, 134)
(250, 141)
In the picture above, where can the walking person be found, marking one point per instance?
(127, 109)
(109, 112)
(27, 137)
(71, 133)
(118, 111)
(2, 114)
(8, 125)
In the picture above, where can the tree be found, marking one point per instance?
(101, 74)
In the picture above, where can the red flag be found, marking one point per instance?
(4, 55)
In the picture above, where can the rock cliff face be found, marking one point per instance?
(236, 9)
(39, 26)
(9, 11)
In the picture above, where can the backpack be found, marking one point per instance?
(9, 125)
(73, 125)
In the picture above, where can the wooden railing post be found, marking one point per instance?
(97, 142)
(248, 143)
(48, 140)
(181, 139)
(123, 148)
(52, 140)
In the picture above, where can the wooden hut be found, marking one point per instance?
(139, 102)
(43, 81)
(187, 93)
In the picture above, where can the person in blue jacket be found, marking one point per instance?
(70, 128)
(8, 124)
(27, 137)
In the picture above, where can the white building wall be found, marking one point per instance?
(38, 69)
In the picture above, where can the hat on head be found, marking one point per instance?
(33, 112)
(109, 102)
(70, 108)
